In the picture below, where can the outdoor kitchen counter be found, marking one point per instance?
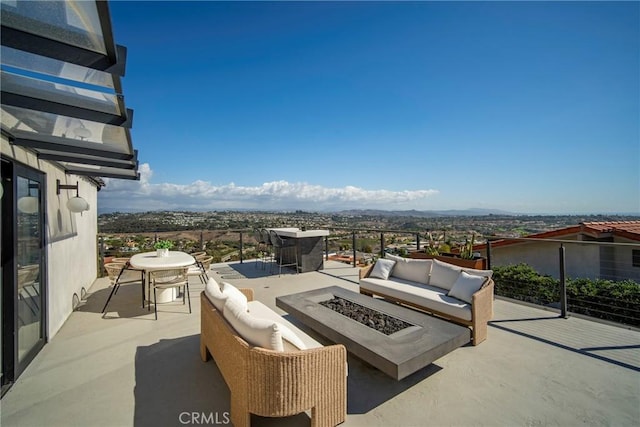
(308, 247)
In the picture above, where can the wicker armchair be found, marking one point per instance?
(201, 267)
(167, 279)
(275, 384)
(122, 273)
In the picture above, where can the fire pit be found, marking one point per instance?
(419, 340)
(374, 319)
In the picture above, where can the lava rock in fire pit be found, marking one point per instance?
(374, 319)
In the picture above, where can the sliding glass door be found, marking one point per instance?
(23, 272)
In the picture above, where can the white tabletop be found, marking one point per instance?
(150, 260)
(299, 234)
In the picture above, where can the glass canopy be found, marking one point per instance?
(60, 86)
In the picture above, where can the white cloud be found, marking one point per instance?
(123, 195)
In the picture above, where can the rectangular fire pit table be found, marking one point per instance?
(397, 355)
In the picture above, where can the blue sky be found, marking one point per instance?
(526, 107)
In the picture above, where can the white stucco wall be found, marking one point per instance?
(582, 259)
(623, 260)
(71, 249)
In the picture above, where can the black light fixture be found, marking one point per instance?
(75, 204)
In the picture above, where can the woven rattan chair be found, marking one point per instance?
(200, 268)
(122, 273)
(170, 278)
(274, 384)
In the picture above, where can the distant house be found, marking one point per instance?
(616, 258)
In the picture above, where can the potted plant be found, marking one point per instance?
(462, 256)
(162, 247)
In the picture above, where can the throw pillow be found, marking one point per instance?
(214, 293)
(484, 273)
(444, 275)
(233, 293)
(465, 286)
(258, 332)
(382, 269)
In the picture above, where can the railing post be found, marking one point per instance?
(101, 251)
(563, 284)
(241, 248)
(418, 242)
(353, 240)
(326, 248)
(381, 245)
(488, 254)
(201, 241)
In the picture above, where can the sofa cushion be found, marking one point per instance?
(427, 296)
(466, 285)
(416, 270)
(256, 331)
(218, 295)
(293, 338)
(214, 293)
(382, 268)
(444, 275)
(234, 294)
(484, 273)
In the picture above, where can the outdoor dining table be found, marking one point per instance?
(150, 261)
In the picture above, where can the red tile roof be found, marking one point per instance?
(627, 229)
(632, 227)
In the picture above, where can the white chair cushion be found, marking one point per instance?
(382, 268)
(416, 270)
(259, 332)
(465, 286)
(444, 275)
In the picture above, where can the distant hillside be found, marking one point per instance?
(428, 214)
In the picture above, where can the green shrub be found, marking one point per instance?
(604, 299)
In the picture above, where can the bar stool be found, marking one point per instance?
(261, 248)
(286, 249)
(267, 254)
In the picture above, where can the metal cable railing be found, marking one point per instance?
(573, 276)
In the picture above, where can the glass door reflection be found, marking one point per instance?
(28, 265)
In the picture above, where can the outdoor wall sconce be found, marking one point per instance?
(75, 204)
(29, 204)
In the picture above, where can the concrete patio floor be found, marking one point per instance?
(125, 368)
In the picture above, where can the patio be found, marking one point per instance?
(127, 369)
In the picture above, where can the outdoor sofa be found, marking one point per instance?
(459, 294)
(272, 368)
